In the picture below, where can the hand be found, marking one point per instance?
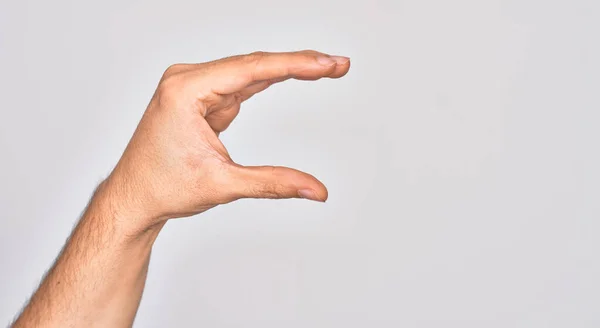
(176, 166)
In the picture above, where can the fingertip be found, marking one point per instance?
(341, 68)
(326, 60)
(340, 60)
(308, 194)
(316, 191)
(312, 195)
(323, 192)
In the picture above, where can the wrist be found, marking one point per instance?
(114, 206)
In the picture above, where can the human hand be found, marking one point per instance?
(176, 166)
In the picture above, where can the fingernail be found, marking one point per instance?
(326, 61)
(308, 194)
(340, 59)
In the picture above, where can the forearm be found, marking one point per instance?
(98, 279)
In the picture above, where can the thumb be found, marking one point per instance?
(276, 182)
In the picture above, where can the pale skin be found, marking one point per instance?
(174, 166)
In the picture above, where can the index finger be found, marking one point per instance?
(232, 74)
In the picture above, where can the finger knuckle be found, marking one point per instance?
(170, 81)
(174, 69)
(274, 189)
(168, 88)
(256, 56)
(252, 62)
(269, 191)
(309, 52)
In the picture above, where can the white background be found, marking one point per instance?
(461, 155)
